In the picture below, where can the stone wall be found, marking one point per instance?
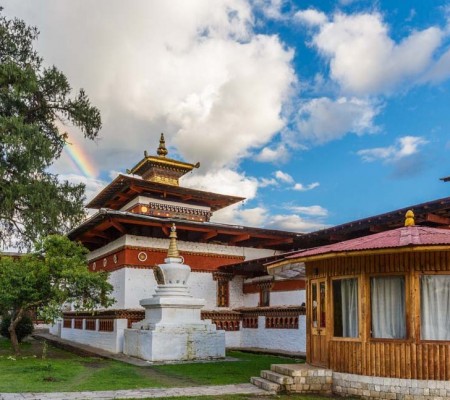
(371, 387)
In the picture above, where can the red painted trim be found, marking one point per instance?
(278, 286)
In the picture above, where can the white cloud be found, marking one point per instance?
(303, 188)
(264, 182)
(224, 181)
(322, 119)
(364, 59)
(269, 154)
(404, 147)
(195, 70)
(316, 210)
(294, 223)
(311, 17)
(284, 177)
(272, 9)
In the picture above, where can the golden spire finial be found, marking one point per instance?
(162, 151)
(409, 218)
(173, 248)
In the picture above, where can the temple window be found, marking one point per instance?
(345, 308)
(223, 288)
(388, 301)
(435, 307)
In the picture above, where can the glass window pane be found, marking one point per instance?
(435, 307)
(388, 307)
(345, 307)
(322, 305)
(314, 305)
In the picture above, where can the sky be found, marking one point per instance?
(318, 112)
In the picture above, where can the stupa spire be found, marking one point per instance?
(162, 151)
(173, 247)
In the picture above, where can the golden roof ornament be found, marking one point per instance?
(409, 218)
(173, 248)
(162, 151)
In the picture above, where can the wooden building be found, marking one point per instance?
(379, 305)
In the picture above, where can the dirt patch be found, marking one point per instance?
(165, 378)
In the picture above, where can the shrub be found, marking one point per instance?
(23, 329)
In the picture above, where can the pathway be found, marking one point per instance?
(244, 388)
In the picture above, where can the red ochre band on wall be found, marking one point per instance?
(277, 286)
(146, 258)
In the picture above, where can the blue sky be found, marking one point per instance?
(318, 112)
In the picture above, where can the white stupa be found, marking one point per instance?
(173, 329)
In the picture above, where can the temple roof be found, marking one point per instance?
(161, 169)
(108, 225)
(434, 213)
(124, 188)
(408, 236)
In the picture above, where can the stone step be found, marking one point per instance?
(284, 369)
(277, 378)
(265, 384)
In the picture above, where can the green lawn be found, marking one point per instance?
(64, 371)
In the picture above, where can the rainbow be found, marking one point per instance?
(80, 158)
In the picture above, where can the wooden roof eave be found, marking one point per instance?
(354, 253)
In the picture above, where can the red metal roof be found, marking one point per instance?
(400, 237)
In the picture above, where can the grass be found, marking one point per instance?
(64, 371)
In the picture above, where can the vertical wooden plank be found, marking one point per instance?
(408, 348)
(397, 360)
(419, 364)
(425, 374)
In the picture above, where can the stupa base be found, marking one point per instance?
(170, 343)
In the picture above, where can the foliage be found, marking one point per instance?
(74, 373)
(35, 103)
(23, 329)
(226, 372)
(56, 273)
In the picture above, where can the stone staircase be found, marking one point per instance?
(295, 378)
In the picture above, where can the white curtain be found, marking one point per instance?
(435, 307)
(349, 297)
(388, 307)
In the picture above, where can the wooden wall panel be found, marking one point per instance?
(408, 359)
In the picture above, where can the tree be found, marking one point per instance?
(55, 274)
(34, 100)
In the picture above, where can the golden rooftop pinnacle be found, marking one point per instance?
(409, 218)
(173, 247)
(162, 151)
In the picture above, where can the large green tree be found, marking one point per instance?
(34, 101)
(56, 273)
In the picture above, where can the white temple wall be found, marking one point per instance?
(203, 286)
(276, 339)
(251, 299)
(288, 298)
(134, 284)
(117, 279)
(140, 284)
(110, 341)
(163, 244)
(235, 291)
(280, 298)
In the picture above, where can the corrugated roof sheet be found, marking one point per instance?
(400, 237)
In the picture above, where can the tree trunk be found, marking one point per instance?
(12, 331)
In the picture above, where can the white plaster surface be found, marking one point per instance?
(110, 341)
(288, 298)
(279, 339)
(163, 244)
(174, 344)
(133, 284)
(251, 299)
